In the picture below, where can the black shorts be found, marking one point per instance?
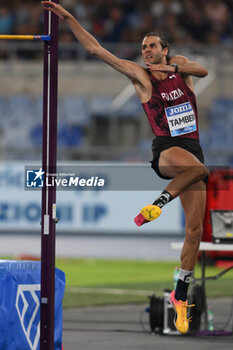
(162, 143)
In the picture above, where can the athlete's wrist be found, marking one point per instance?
(176, 68)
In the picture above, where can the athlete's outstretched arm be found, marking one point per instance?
(130, 69)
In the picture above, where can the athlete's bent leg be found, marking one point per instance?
(184, 168)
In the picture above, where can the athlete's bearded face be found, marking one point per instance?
(152, 51)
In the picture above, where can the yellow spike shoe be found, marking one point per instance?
(151, 212)
(181, 321)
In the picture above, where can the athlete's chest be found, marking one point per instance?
(170, 89)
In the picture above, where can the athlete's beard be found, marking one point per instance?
(158, 58)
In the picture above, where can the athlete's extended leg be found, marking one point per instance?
(193, 201)
(194, 204)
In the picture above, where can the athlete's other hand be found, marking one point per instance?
(165, 68)
(56, 8)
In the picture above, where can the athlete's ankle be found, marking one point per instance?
(183, 284)
(163, 199)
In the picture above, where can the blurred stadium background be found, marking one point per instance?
(100, 118)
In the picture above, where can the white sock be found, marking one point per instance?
(185, 275)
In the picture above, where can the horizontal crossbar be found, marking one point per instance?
(25, 37)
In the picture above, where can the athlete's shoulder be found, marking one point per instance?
(142, 75)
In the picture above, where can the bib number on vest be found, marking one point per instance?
(181, 119)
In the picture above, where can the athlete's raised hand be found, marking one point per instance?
(55, 8)
(165, 68)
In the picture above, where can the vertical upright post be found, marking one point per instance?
(49, 157)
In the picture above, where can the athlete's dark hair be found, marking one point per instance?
(163, 41)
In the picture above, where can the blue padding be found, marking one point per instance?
(20, 305)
